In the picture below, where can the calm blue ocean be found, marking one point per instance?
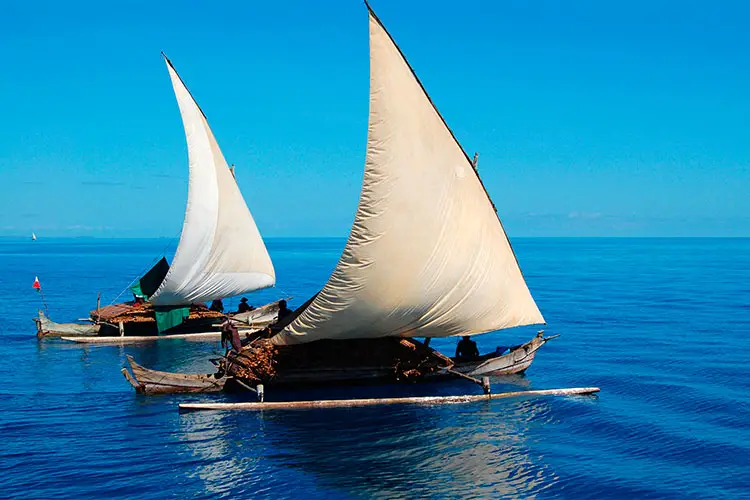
(661, 325)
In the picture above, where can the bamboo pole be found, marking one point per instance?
(349, 403)
(44, 301)
(463, 375)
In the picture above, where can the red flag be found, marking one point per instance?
(36, 284)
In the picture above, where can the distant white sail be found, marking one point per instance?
(221, 252)
(33, 237)
(427, 255)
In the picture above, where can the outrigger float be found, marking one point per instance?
(220, 254)
(427, 257)
(349, 403)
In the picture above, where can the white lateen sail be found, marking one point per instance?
(221, 252)
(427, 255)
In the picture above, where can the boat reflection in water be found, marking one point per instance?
(381, 451)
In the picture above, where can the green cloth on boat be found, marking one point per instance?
(168, 317)
(136, 289)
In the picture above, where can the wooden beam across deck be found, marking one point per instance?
(351, 403)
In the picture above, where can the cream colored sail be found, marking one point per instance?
(427, 255)
(221, 252)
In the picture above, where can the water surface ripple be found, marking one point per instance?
(661, 325)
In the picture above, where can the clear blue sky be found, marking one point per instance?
(591, 118)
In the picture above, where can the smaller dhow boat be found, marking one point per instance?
(220, 254)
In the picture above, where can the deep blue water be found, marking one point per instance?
(661, 325)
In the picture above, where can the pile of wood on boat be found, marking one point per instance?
(132, 318)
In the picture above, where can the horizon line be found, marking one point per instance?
(92, 237)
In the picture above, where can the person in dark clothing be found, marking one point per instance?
(284, 311)
(466, 350)
(230, 337)
(279, 324)
(244, 306)
(216, 305)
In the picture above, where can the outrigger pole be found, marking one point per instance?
(350, 403)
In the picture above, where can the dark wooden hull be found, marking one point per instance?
(148, 381)
(518, 360)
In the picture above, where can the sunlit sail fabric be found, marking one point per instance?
(427, 255)
(221, 252)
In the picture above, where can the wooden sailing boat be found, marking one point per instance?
(427, 257)
(220, 253)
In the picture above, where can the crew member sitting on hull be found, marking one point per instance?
(466, 350)
(244, 306)
(284, 311)
(280, 323)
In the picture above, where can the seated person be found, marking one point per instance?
(466, 350)
(284, 311)
(217, 305)
(244, 306)
(280, 323)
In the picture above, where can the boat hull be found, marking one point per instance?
(146, 381)
(516, 361)
(45, 327)
(198, 330)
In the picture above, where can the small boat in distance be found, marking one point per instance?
(427, 257)
(33, 236)
(220, 253)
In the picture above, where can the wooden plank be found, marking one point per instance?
(133, 339)
(349, 403)
(145, 338)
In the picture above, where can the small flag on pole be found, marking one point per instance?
(36, 284)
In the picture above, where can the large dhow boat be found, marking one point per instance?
(220, 254)
(427, 257)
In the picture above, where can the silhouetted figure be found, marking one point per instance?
(466, 350)
(279, 324)
(284, 311)
(244, 306)
(217, 305)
